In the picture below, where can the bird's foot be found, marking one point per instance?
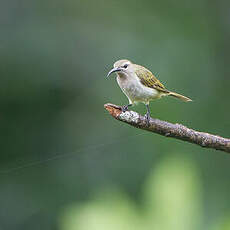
(147, 118)
(125, 108)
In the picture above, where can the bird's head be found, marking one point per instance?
(122, 67)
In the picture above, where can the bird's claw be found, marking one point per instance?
(147, 118)
(125, 108)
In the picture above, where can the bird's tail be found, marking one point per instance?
(179, 96)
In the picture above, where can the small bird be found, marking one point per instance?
(140, 85)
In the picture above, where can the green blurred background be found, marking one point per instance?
(66, 164)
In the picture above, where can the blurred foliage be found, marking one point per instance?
(58, 145)
(171, 200)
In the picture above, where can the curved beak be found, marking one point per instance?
(117, 69)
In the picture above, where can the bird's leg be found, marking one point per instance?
(147, 115)
(125, 108)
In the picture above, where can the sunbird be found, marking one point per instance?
(140, 85)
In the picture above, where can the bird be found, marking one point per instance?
(140, 85)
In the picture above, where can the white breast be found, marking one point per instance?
(135, 90)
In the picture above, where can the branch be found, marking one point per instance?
(167, 129)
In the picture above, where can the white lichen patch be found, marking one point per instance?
(129, 116)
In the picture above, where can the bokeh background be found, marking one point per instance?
(66, 164)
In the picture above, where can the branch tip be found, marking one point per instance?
(114, 110)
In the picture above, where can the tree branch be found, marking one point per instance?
(167, 129)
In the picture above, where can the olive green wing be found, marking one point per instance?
(149, 80)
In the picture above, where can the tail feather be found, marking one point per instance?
(179, 96)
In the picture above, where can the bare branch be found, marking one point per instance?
(167, 129)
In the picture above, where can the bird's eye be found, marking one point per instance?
(125, 66)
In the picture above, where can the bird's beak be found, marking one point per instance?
(116, 69)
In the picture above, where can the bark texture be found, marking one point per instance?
(167, 129)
